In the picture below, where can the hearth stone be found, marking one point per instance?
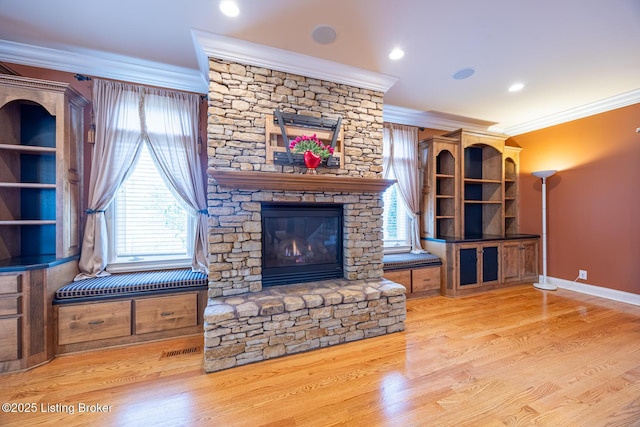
(284, 320)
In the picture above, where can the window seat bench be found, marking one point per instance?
(419, 273)
(127, 308)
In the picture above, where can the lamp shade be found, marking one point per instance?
(544, 174)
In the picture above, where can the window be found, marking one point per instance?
(396, 222)
(149, 227)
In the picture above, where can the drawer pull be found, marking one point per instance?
(96, 322)
(166, 313)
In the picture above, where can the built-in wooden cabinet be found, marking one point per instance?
(477, 264)
(473, 266)
(89, 322)
(419, 281)
(41, 129)
(470, 212)
(11, 319)
(26, 312)
(101, 324)
(519, 260)
(41, 135)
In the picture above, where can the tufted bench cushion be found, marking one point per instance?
(131, 284)
(409, 260)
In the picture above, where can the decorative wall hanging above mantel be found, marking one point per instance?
(282, 128)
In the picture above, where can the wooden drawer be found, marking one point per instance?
(399, 276)
(10, 306)
(9, 338)
(10, 283)
(425, 279)
(90, 322)
(164, 313)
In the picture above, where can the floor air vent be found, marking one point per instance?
(181, 352)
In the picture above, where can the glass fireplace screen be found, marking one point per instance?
(301, 243)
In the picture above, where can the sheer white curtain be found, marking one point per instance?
(117, 146)
(400, 154)
(171, 122)
(126, 116)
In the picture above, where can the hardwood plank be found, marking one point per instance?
(516, 356)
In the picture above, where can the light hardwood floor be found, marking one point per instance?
(515, 356)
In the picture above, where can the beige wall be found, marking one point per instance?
(593, 201)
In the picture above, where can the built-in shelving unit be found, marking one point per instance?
(41, 129)
(440, 190)
(482, 188)
(470, 211)
(511, 191)
(445, 193)
(41, 126)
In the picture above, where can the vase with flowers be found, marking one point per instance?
(313, 151)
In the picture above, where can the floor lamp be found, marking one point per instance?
(543, 283)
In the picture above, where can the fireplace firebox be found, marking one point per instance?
(301, 243)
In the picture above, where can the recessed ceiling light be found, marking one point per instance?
(516, 87)
(229, 8)
(324, 34)
(464, 73)
(396, 54)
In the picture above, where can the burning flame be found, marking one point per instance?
(293, 250)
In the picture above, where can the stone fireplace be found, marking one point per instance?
(250, 316)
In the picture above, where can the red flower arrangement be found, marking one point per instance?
(311, 143)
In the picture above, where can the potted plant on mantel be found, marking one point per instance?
(313, 151)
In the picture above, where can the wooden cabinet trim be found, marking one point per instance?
(10, 306)
(10, 283)
(89, 322)
(10, 348)
(164, 313)
(425, 279)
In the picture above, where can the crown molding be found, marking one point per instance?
(244, 52)
(410, 117)
(135, 70)
(99, 64)
(406, 116)
(604, 105)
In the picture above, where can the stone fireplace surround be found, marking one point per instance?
(245, 323)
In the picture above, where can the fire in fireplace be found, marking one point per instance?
(301, 243)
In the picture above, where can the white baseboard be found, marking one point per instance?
(598, 291)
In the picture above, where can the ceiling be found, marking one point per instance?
(575, 57)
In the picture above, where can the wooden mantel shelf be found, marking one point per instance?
(252, 180)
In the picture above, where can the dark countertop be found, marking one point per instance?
(32, 262)
(481, 238)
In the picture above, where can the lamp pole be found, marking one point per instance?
(543, 175)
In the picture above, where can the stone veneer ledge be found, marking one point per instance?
(290, 319)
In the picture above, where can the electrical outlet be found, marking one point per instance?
(582, 274)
